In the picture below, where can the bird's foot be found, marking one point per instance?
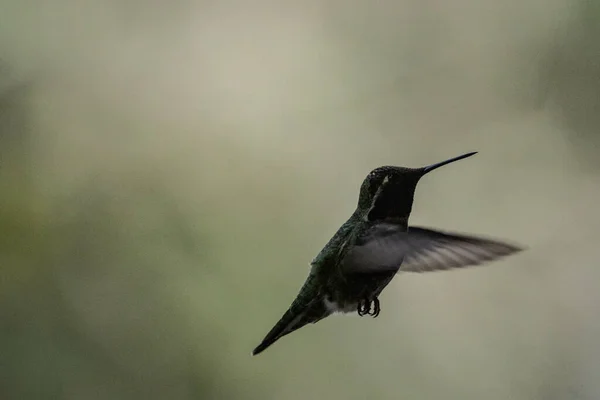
(376, 308)
(364, 307)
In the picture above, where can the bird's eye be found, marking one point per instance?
(374, 184)
(377, 183)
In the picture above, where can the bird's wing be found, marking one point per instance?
(387, 247)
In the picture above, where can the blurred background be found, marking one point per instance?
(169, 169)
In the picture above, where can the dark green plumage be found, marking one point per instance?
(367, 251)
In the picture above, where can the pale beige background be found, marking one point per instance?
(168, 171)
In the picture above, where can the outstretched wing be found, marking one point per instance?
(387, 247)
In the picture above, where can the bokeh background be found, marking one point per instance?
(169, 169)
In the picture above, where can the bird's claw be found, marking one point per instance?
(364, 307)
(376, 308)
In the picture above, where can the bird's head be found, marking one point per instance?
(387, 192)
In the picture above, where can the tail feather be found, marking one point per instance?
(293, 319)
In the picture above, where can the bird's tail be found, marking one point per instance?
(294, 318)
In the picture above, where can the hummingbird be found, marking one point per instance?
(375, 244)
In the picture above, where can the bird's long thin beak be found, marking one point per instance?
(441, 164)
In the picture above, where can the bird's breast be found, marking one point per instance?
(345, 295)
(335, 306)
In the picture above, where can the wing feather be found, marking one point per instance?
(387, 247)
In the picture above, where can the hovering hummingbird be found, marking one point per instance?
(363, 256)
